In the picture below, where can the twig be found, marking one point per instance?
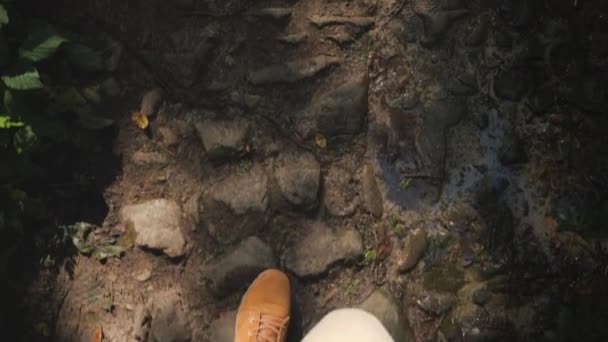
(285, 134)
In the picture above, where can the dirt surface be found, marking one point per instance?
(451, 152)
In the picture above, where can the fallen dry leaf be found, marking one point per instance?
(140, 120)
(320, 140)
(150, 102)
(384, 248)
(98, 336)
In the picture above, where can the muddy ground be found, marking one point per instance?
(440, 161)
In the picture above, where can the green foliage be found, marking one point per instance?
(31, 108)
(23, 78)
(370, 256)
(84, 57)
(3, 16)
(41, 44)
(405, 183)
(395, 226)
(7, 122)
(44, 116)
(24, 139)
(352, 287)
(246, 165)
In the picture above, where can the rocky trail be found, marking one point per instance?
(439, 163)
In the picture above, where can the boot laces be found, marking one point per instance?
(269, 328)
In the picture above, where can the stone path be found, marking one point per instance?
(394, 156)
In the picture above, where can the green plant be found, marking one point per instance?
(352, 287)
(439, 242)
(246, 165)
(395, 226)
(46, 114)
(405, 183)
(581, 223)
(369, 256)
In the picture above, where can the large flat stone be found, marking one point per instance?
(413, 249)
(169, 319)
(382, 304)
(341, 111)
(236, 207)
(292, 71)
(371, 192)
(298, 177)
(239, 267)
(222, 328)
(322, 247)
(223, 138)
(158, 225)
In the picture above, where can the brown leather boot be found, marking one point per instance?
(263, 315)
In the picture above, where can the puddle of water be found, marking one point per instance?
(521, 195)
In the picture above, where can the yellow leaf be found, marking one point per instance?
(140, 120)
(42, 329)
(98, 336)
(320, 140)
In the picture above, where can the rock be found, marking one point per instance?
(413, 249)
(458, 88)
(479, 32)
(436, 24)
(158, 224)
(480, 324)
(169, 320)
(431, 137)
(245, 100)
(340, 200)
(224, 139)
(340, 38)
(222, 328)
(322, 247)
(371, 192)
(386, 308)
(512, 150)
(275, 12)
(511, 85)
(167, 136)
(239, 267)
(141, 323)
(503, 39)
(294, 38)
(541, 100)
(115, 53)
(446, 278)
(481, 120)
(110, 87)
(480, 296)
(589, 94)
(150, 102)
(435, 302)
(292, 71)
(340, 111)
(321, 21)
(144, 158)
(409, 100)
(468, 79)
(236, 207)
(298, 177)
(184, 4)
(143, 275)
